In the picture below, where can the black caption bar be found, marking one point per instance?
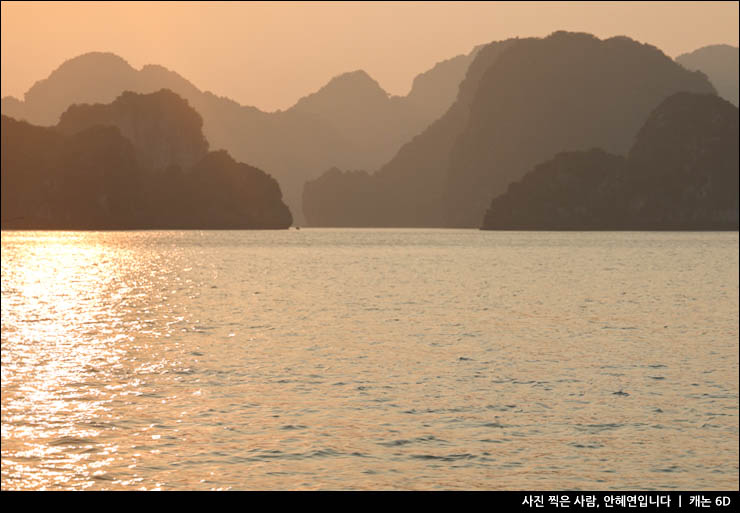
(689, 501)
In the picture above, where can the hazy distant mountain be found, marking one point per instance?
(140, 162)
(681, 174)
(522, 102)
(351, 122)
(379, 124)
(410, 189)
(720, 64)
(13, 107)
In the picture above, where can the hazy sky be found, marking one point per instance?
(269, 54)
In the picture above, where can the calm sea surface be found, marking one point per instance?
(369, 359)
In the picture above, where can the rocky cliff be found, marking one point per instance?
(410, 188)
(351, 122)
(522, 102)
(140, 162)
(162, 126)
(680, 174)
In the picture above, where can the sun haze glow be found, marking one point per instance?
(269, 54)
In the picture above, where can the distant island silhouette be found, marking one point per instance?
(680, 174)
(140, 162)
(476, 132)
(350, 122)
(522, 102)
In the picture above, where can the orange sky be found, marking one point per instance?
(269, 54)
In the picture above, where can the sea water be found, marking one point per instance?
(369, 359)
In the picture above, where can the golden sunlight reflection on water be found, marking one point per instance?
(64, 337)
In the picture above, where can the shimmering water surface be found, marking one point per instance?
(369, 359)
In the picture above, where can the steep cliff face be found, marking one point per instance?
(566, 92)
(163, 128)
(436, 89)
(87, 174)
(409, 189)
(522, 102)
(681, 174)
(720, 64)
(237, 195)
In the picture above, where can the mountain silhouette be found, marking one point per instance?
(140, 162)
(522, 102)
(720, 64)
(350, 123)
(162, 126)
(680, 174)
(49, 180)
(408, 190)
